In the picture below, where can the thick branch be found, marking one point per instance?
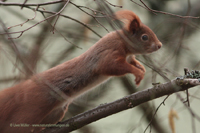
(127, 102)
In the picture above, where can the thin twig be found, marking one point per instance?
(113, 4)
(189, 109)
(59, 14)
(61, 34)
(25, 5)
(193, 125)
(188, 99)
(53, 27)
(166, 13)
(94, 11)
(147, 7)
(21, 32)
(163, 102)
(24, 22)
(94, 17)
(85, 25)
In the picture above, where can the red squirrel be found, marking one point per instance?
(44, 98)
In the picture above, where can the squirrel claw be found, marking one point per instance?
(141, 67)
(139, 78)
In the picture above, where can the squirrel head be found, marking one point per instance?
(140, 34)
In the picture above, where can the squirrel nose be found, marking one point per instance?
(159, 45)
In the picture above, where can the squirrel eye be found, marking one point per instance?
(145, 37)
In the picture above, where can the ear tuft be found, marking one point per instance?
(131, 20)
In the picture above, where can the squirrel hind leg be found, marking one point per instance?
(53, 117)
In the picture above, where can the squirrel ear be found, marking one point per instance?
(134, 26)
(131, 20)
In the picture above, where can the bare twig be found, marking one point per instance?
(59, 14)
(25, 4)
(113, 4)
(193, 125)
(167, 13)
(94, 17)
(93, 10)
(21, 32)
(53, 27)
(73, 20)
(61, 33)
(163, 102)
(188, 108)
(15, 49)
(188, 100)
(24, 22)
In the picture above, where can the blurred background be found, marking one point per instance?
(46, 40)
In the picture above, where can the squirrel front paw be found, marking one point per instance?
(136, 63)
(141, 67)
(139, 76)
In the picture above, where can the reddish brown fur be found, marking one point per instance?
(44, 98)
(128, 17)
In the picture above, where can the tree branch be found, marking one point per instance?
(34, 4)
(125, 103)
